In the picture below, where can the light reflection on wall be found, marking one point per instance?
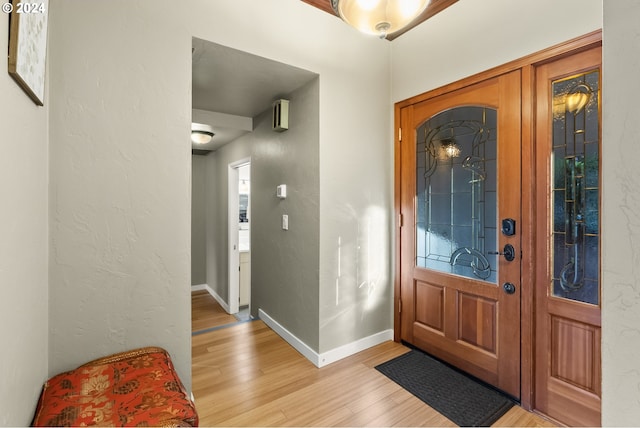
(371, 266)
(361, 272)
(339, 270)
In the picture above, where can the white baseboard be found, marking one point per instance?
(298, 344)
(354, 347)
(215, 295)
(326, 358)
(199, 287)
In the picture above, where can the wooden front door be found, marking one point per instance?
(460, 207)
(568, 364)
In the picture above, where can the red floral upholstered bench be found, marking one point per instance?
(134, 388)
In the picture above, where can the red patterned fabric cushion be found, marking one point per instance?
(135, 388)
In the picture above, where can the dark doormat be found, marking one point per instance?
(462, 399)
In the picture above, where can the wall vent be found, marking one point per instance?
(280, 115)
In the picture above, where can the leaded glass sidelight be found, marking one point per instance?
(456, 212)
(576, 194)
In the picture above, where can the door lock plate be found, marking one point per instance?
(508, 227)
(509, 288)
(508, 252)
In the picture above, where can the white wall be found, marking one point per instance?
(356, 186)
(120, 159)
(474, 36)
(621, 215)
(23, 248)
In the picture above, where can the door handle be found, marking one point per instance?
(508, 252)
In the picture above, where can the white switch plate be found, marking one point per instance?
(281, 191)
(285, 222)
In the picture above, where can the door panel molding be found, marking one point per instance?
(472, 331)
(430, 306)
(579, 343)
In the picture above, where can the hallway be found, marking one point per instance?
(206, 313)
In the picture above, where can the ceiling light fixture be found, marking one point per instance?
(378, 17)
(201, 133)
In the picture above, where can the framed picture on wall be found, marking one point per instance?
(28, 45)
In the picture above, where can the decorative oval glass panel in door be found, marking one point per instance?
(456, 193)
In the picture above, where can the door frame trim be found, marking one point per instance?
(233, 210)
(527, 65)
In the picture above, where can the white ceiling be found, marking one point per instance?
(231, 85)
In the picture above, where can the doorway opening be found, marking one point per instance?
(239, 205)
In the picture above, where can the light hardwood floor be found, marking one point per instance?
(246, 375)
(206, 312)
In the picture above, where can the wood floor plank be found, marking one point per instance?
(336, 391)
(246, 375)
(394, 415)
(413, 412)
(373, 397)
(206, 312)
(333, 418)
(518, 417)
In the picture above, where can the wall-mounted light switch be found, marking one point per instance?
(285, 222)
(281, 191)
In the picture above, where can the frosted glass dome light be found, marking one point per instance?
(201, 133)
(379, 17)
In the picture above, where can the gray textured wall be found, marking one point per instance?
(285, 263)
(217, 195)
(198, 221)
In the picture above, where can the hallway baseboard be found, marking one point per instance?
(326, 358)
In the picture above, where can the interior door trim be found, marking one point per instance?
(527, 66)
